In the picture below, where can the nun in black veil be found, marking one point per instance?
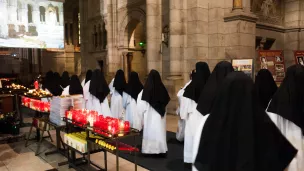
(151, 106)
(188, 109)
(52, 83)
(117, 87)
(206, 100)
(65, 79)
(134, 87)
(238, 134)
(265, 87)
(180, 134)
(74, 87)
(87, 77)
(96, 91)
(286, 110)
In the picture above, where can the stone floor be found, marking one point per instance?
(17, 157)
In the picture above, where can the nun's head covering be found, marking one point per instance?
(88, 76)
(205, 102)
(288, 101)
(99, 86)
(75, 86)
(134, 85)
(48, 79)
(54, 86)
(65, 79)
(120, 82)
(155, 93)
(239, 135)
(193, 90)
(265, 87)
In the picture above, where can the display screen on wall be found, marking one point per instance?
(31, 23)
(273, 60)
(299, 57)
(245, 65)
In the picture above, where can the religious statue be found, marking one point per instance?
(268, 7)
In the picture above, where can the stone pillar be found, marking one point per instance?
(154, 30)
(176, 38)
(240, 33)
(61, 15)
(294, 24)
(36, 14)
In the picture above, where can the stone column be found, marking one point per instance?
(113, 60)
(61, 15)
(176, 38)
(239, 33)
(294, 24)
(154, 30)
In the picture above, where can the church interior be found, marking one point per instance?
(100, 38)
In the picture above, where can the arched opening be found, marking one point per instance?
(134, 59)
(42, 13)
(104, 36)
(30, 13)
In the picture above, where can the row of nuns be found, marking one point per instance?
(143, 106)
(232, 123)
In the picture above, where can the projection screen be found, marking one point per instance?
(31, 23)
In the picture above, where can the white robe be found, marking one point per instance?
(93, 103)
(131, 112)
(294, 135)
(154, 133)
(197, 139)
(117, 108)
(193, 118)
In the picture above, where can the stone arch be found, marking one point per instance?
(133, 17)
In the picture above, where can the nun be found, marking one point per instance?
(265, 87)
(188, 110)
(151, 106)
(134, 87)
(65, 79)
(238, 134)
(286, 110)
(180, 134)
(73, 88)
(47, 81)
(87, 77)
(95, 94)
(206, 99)
(52, 83)
(119, 85)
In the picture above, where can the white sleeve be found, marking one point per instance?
(185, 107)
(86, 91)
(111, 86)
(83, 83)
(66, 91)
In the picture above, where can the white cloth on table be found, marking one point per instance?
(295, 136)
(66, 91)
(93, 103)
(154, 133)
(197, 140)
(131, 112)
(193, 118)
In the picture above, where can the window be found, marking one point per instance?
(57, 13)
(100, 35)
(42, 13)
(30, 13)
